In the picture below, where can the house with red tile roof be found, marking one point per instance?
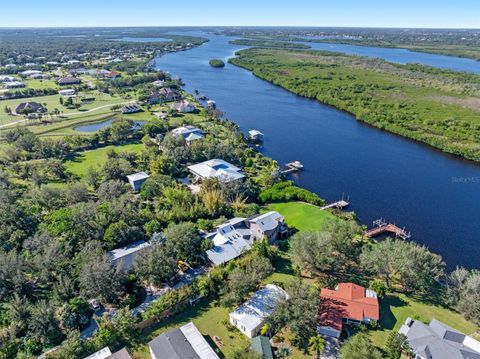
(348, 303)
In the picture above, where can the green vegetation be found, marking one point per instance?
(80, 165)
(270, 44)
(216, 63)
(440, 108)
(303, 216)
(287, 191)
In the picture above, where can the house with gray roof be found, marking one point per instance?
(216, 168)
(236, 236)
(137, 179)
(124, 257)
(251, 315)
(29, 107)
(439, 341)
(188, 132)
(185, 342)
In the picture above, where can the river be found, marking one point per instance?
(434, 195)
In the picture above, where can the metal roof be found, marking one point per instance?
(259, 306)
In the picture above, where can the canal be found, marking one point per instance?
(434, 195)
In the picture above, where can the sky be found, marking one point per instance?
(352, 13)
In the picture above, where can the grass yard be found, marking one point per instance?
(100, 106)
(208, 319)
(394, 309)
(95, 158)
(302, 216)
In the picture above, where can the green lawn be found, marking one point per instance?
(100, 106)
(96, 158)
(208, 319)
(302, 216)
(395, 309)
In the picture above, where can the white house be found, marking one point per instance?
(188, 132)
(30, 72)
(67, 92)
(251, 315)
(183, 106)
(123, 258)
(234, 237)
(216, 168)
(137, 179)
(255, 135)
(101, 354)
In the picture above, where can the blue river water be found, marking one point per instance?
(402, 56)
(434, 195)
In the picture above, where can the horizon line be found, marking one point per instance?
(236, 26)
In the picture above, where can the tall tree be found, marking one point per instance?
(359, 347)
(316, 345)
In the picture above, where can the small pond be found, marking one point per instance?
(94, 127)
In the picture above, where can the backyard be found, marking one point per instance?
(95, 158)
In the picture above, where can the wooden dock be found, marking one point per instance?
(292, 167)
(339, 205)
(382, 227)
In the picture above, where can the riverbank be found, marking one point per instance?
(436, 107)
(467, 52)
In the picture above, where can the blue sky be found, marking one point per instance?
(374, 13)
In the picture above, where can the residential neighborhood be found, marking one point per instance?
(145, 215)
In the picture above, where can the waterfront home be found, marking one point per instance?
(438, 341)
(123, 258)
(169, 94)
(184, 342)
(67, 92)
(68, 80)
(29, 107)
(348, 303)
(159, 83)
(183, 107)
(136, 180)
(251, 315)
(216, 168)
(188, 132)
(236, 236)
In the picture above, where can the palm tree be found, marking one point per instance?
(316, 345)
(283, 352)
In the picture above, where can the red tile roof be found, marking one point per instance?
(347, 301)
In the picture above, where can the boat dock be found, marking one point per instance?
(292, 167)
(339, 205)
(382, 227)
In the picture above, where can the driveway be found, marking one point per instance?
(331, 348)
